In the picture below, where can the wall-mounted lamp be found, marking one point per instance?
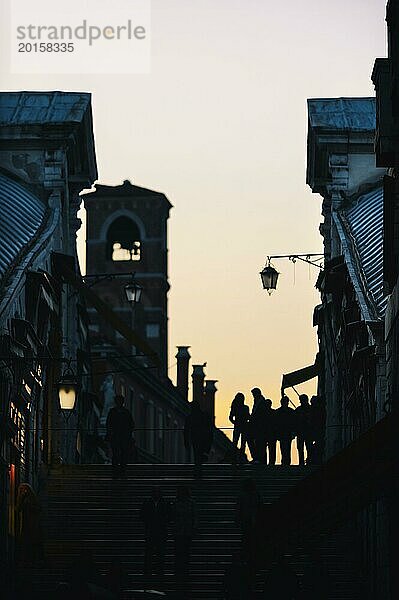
(269, 275)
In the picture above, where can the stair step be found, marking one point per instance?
(86, 508)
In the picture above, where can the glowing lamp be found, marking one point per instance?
(67, 388)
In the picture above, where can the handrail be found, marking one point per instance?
(134, 430)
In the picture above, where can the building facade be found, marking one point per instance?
(54, 322)
(350, 319)
(385, 78)
(46, 158)
(341, 168)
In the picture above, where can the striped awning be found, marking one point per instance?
(21, 215)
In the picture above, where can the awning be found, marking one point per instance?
(300, 376)
(318, 314)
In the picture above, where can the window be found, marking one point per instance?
(18, 438)
(152, 330)
(123, 240)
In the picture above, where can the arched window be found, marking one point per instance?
(123, 240)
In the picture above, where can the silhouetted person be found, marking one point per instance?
(84, 578)
(22, 588)
(116, 579)
(63, 591)
(257, 427)
(237, 584)
(285, 426)
(185, 524)
(303, 427)
(318, 427)
(120, 427)
(198, 434)
(239, 416)
(29, 533)
(315, 580)
(155, 513)
(248, 505)
(282, 583)
(270, 434)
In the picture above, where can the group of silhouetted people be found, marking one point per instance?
(260, 429)
(264, 426)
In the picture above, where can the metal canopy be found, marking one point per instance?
(300, 376)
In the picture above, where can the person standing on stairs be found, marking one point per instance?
(257, 427)
(156, 514)
(237, 583)
(282, 582)
(315, 581)
(248, 506)
(29, 532)
(198, 434)
(270, 433)
(239, 417)
(185, 525)
(303, 416)
(120, 426)
(285, 429)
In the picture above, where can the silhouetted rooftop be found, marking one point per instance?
(23, 108)
(356, 114)
(126, 189)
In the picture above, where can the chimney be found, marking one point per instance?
(198, 383)
(183, 359)
(209, 397)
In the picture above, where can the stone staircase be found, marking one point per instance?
(87, 509)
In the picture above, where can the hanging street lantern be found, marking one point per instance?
(133, 292)
(67, 391)
(269, 277)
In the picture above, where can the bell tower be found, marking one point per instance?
(127, 234)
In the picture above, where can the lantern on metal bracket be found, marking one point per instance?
(269, 276)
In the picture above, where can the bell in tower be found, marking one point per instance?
(123, 240)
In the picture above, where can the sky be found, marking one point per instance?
(219, 125)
